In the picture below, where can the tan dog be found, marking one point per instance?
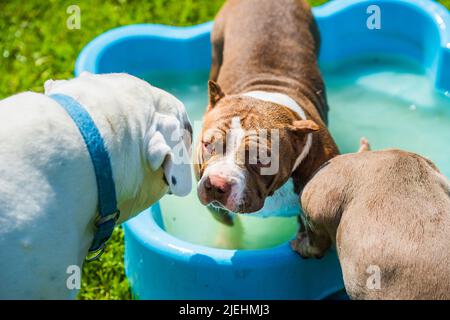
(388, 212)
(265, 60)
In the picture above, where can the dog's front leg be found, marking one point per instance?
(312, 241)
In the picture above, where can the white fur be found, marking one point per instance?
(283, 203)
(48, 192)
(286, 101)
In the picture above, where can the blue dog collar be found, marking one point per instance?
(107, 202)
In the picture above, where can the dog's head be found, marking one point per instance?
(248, 148)
(165, 136)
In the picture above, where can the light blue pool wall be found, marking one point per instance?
(137, 48)
(181, 271)
(417, 30)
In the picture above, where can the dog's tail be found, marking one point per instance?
(364, 145)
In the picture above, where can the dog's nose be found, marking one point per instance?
(218, 188)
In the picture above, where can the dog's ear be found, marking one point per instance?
(157, 151)
(167, 148)
(304, 126)
(215, 94)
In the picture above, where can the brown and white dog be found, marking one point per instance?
(388, 212)
(265, 60)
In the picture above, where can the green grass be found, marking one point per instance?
(105, 278)
(35, 45)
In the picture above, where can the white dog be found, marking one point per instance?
(48, 190)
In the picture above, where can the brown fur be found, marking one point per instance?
(270, 46)
(389, 209)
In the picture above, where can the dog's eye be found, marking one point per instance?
(208, 150)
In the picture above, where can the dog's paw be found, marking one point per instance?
(302, 245)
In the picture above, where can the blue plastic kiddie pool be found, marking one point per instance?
(161, 266)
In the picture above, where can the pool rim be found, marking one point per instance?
(156, 237)
(145, 229)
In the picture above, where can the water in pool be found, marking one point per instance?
(390, 102)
